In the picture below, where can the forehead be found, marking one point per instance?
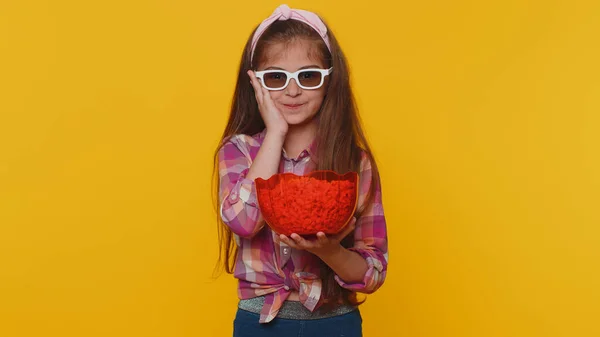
(292, 55)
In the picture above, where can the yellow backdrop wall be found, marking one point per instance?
(484, 117)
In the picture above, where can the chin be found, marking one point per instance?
(298, 119)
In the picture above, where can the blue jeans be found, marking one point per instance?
(347, 325)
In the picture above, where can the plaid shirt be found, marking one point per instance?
(267, 266)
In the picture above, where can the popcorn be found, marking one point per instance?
(309, 204)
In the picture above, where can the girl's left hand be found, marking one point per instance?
(323, 245)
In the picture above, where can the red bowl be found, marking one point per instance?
(322, 201)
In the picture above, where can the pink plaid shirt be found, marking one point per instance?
(267, 266)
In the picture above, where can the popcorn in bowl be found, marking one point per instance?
(322, 201)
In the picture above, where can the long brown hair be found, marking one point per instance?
(340, 138)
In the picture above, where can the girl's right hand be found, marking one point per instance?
(274, 120)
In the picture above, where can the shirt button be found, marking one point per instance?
(286, 250)
(286, 287)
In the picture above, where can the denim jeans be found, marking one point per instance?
(348, 325)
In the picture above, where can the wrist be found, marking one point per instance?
(275, 136)
(331, 253)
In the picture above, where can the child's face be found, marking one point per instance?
(297, 105)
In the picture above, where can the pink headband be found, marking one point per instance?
(283, 13)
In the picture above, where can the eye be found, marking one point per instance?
(275, 76)
(308, 74)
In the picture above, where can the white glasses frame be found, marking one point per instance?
(294, 75)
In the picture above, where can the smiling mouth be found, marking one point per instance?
(293, 106)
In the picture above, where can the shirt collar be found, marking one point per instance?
(311, 150)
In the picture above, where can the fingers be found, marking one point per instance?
(322, 238)
(301, 242)
(288, 241)
(266, 99)
(258, 89)
(266, 96)
(297, 242)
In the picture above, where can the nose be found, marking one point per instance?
(293, 89)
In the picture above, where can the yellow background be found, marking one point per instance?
(483, 116)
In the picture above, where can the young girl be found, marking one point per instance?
(293, 111)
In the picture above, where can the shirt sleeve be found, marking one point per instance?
(370, 236)
(237, 194)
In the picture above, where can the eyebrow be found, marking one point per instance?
(305, 67)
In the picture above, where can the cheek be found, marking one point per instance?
(316, 98)
(276, 95)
